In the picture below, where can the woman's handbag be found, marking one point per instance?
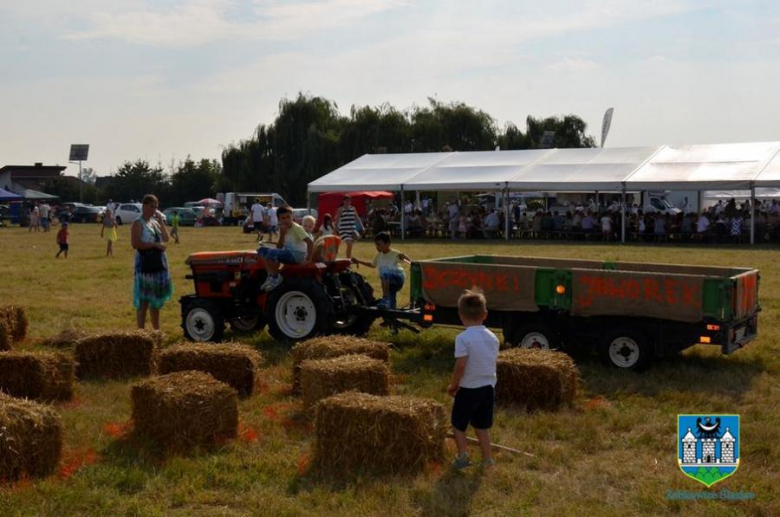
(152, 261)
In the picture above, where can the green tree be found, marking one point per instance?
(67, 189)
(192, 181)
(569, 132)
(133, 180)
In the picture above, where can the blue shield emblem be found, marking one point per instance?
(708, 446)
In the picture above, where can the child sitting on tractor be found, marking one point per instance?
(390, 271)
(294, 247)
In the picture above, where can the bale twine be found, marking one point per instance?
(115, 355)
(322, 378)
(536, 379)
(184, 409)
(65, 339)
(16, 318)
(232, 363)
(334, 346)
(6, 336)
(358, 432)
(42, 376)
(31, 438)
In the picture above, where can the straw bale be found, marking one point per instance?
(6, 336)
(232, 363)
(65, 339)
(43, 376)
(325, 347)
(115, 355)
(362, 433)
(16, 318)
(536, 379)
(322, 378)
(184, 409)
(31, 438)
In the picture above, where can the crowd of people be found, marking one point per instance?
(724, 222)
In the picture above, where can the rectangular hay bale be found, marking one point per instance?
(362, 433)
(322, 378)
(232, 363)
(335, 346)
(64, 339)
(42, 376)
(16, 318)
(31, 439)
(536, 379)
(115, 355)
(184, 409)
(6, 336)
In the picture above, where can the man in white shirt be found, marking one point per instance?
(45, 210)
(271, 222)
(492, 222)
(703, 224)
(257, 215)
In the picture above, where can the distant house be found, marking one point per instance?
(16, 178)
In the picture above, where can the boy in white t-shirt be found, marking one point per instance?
(473, 378)
(391, 273)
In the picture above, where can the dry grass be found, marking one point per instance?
(613, 454)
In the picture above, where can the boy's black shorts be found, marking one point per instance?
(474, 406)
(63, 247)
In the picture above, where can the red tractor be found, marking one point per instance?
(315, 298)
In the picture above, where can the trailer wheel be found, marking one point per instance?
(355, 287)
(532, 336)
(202, 322)
(627, 349)
(297, 310)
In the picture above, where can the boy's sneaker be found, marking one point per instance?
(461, 461)
(383, 304)
(271, 283)
(488, 463)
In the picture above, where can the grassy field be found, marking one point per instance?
(613, 454)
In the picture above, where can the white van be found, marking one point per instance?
(237, 204)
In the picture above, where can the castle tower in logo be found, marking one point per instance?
(708, 446)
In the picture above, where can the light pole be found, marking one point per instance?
(78, 154)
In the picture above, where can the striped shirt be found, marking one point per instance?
(347, 222)
(481, 347)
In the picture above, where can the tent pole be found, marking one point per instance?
(418, 205)
(403, 206)
(308, 201)
(506, 212)
(623, 215)
(752, 214)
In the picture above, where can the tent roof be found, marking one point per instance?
(376, 172)
(689, 167)
(703, 167)
(478, 170)
(582, 169)
(9, 196)
(34, 195)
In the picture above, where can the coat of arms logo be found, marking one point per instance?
(708, 446)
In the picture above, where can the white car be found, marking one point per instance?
(127, 213)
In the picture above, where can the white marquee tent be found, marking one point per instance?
(689, 167)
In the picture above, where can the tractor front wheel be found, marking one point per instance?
(202, 321)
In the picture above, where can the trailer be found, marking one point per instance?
(630, 313)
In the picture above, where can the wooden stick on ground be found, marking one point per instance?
(496, 446)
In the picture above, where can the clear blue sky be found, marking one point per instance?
(163, 79)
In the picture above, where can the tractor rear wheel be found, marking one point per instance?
(202, 321)
(297, 310)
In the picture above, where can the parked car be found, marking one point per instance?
(86, 214)
(187, 216)
(127, 213)
(300, 213)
